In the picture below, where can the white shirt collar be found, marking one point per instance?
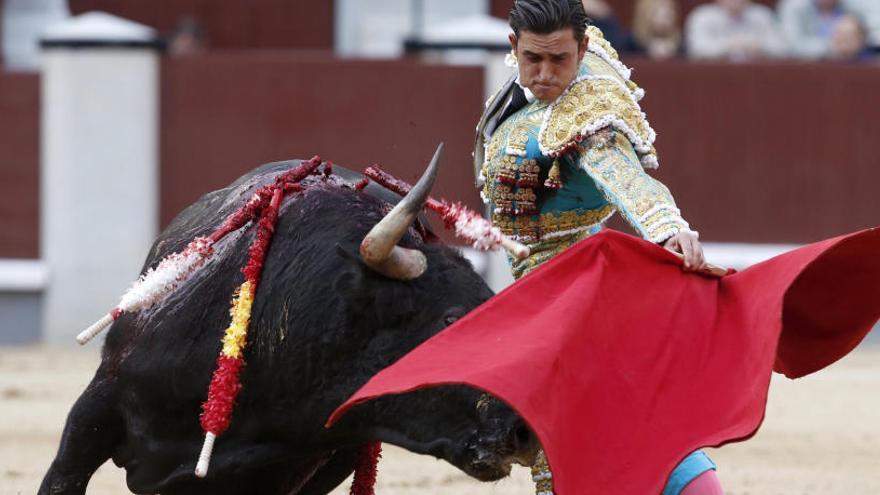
(530, 97)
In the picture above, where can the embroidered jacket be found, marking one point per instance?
(553, 173)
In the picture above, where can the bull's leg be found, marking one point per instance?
(331, 474)
(92, 431)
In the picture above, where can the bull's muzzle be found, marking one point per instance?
(497, 446)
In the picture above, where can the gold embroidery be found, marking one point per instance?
(602, 96)
(512, 177)
(593, 102)
(536, 227)
(522, 173)
(493, 146)
(528, 174)
(492, 166)
(518, 138)
(545, 250)
(503, 199)
(541, 474)
(507, 170)
(645, 203)
(554, 177)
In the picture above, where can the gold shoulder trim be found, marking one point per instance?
(598, 100)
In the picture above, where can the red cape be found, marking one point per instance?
(623, 364)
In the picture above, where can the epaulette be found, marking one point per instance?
(601, 96)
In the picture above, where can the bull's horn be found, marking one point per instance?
(379, 248)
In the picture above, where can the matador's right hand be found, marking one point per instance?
(688, 244)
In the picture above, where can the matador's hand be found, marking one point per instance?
(688, 244)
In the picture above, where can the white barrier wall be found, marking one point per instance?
(22, 23)
(99, 165)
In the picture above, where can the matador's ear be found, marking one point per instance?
(582, 49)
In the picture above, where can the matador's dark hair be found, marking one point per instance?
(548, 16)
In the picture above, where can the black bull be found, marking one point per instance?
(322, 324)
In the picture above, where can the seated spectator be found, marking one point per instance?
(849, 40)
(187, 38)
(808, 24)
(655, 28)
(602, 16)
(869, 12)
(734, 30)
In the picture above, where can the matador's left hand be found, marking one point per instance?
(688, 244)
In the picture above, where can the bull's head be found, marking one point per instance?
(471, 430)
(480, 435)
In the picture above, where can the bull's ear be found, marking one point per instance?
(350, 279)
(349, 255)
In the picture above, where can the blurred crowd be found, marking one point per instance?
(741, 30)
(731, 30)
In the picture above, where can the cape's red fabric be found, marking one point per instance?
(623, 364)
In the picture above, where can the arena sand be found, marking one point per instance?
(821, 435)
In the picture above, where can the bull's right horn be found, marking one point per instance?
(379, 249)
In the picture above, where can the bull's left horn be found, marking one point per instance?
(379, 248)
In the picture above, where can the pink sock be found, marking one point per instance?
(704, 484)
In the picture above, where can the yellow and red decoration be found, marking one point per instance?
(225, 384)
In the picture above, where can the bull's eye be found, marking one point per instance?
(451, 315)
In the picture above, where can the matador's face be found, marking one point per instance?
(548, 63)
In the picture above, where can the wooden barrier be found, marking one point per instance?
(232, 24)
(767, 153)
(19, 165)
(223, 114)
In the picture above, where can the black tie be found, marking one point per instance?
(517, 101)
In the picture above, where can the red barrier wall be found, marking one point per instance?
(19, 165)
(232, 23)
(767, 153)
(223, 114)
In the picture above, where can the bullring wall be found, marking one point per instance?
(19, 165)
(231, 24)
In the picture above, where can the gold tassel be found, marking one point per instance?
(554, 180)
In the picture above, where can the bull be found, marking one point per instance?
(325, 320)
